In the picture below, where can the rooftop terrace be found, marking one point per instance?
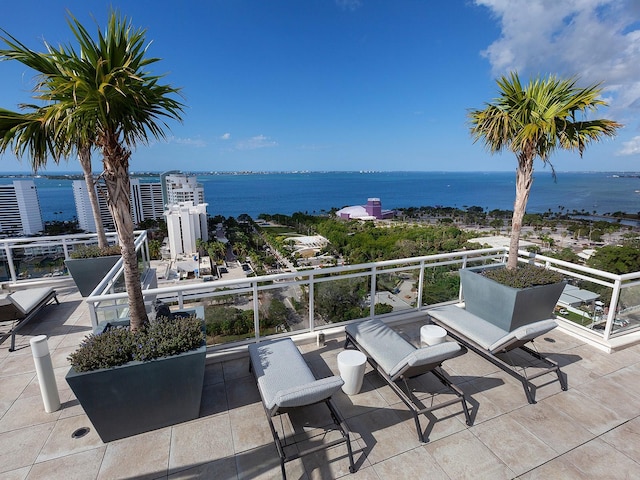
(589, 431)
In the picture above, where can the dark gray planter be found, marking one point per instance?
(506, 307)
(141, 396)
(89, 272)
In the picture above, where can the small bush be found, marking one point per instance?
(524, 276)
(119, 345)
(93, 251)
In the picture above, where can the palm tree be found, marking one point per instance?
(105, 90)
(534, 121)
(30, 134)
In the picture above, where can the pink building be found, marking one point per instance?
(371, 211)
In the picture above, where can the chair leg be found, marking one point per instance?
(339, 421)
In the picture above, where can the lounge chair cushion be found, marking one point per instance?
(284, 378)
(32, 297)
(381, 342)
(469, 325)
(392, 352)
(484, 333)
(524, 333)
(19, 304)
(307, 394)
(431, 355)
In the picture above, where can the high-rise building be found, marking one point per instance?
(179, 188)
(186, 223)
(145, 197)
(20, 212)
(146, 200)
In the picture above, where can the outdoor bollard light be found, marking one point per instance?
(44, 370)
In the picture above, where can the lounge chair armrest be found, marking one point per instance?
(431, 355)
(307, 394)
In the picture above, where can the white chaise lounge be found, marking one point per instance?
(488, 340)
(395, 359)
(286, 382)
(21, 306)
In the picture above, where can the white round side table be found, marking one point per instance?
(432, 334)
(351, 364)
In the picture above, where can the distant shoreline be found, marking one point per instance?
(75, 175)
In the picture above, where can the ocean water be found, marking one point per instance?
(314, 192)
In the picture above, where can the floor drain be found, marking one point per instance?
(79, 433)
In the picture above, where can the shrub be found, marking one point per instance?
(119, 345)
(524, 276)
(93, 251)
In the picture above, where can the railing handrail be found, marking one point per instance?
(219, 284)
(52, 238)
(181, 293)
(115, 271)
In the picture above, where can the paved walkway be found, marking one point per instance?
(590, 431)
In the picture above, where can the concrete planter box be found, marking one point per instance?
(506, 307)
(141, 396)
(89, 272)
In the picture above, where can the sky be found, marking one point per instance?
(291, 85)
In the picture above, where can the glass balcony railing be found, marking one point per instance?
(32, 259)
(596, 305)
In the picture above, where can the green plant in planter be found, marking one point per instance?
(94, 251)
(523, 276)
(119, 345)
(134, 381)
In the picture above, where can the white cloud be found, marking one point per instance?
(632, 147)
(225, 136)
(253, 143)
(596, 40)
(192, 142)
(592, 38)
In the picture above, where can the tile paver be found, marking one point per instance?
(590, 431)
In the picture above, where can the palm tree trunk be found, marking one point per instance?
(524, 179)
(116, 176)
(84, 155)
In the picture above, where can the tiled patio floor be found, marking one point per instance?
(590, 431)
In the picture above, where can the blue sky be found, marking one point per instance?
(352, 84)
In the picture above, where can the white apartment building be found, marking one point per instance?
(149, 203)
(146, 203)
(20, 212)
(179, 188)
(186, 223)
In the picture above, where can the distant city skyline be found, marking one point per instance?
(350, 85)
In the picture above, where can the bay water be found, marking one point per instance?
(232, 194)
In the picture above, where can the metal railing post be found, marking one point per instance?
(372, 292)
(420, 285)
(12, 268)
(312, 323)
(613, 308)
(256, 310)
(93, 315)
(180, 300)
